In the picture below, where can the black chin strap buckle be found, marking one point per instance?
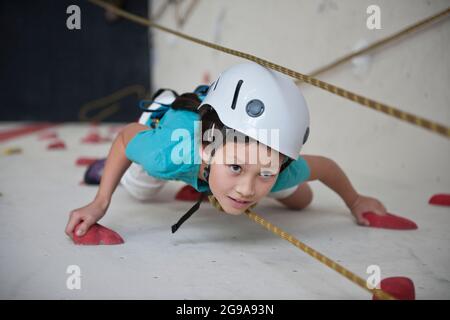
(188, 214)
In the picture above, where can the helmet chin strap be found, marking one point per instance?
(188, 214)
(196, 206)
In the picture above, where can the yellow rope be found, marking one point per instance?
(313, 253)
(402, 115)
(412, 28)
(318, 256)
(108, 105)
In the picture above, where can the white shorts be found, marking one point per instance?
(282, 193)
(139, 184)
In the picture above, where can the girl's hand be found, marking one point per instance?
(87, 215)
(364, 204)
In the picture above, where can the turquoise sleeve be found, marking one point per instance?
(153, 148)
(141, 149)
(296, 173)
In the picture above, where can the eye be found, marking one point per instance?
(235, 168)
(267, 174)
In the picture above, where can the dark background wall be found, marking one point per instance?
(48, 72)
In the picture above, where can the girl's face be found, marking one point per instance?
(241, 174)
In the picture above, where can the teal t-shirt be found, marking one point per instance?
(171, 152)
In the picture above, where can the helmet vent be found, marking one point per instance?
(255, 108)
(236, 94)
(305, 138)
(216, 83)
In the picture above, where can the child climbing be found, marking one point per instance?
(236, 141)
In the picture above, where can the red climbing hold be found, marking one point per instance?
(401, 288)
(188, 193)
(389, 221)
(92, 137)
(440, 200)
(59, 144)
(97, 235)
(85, 161)
(115, 129)
(48, 135)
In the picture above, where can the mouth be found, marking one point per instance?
(238, 203)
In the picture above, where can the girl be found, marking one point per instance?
(239, 141)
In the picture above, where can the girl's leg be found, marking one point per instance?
(139, 184)
(300, 197)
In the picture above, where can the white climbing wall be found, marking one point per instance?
(219, 256)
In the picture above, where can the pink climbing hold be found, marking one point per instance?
(389, 221)
(401, 288)
(97, 235)
(188, 193)
(440, 200)
(58, 144)
(85, 161)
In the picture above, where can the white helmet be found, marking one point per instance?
(248, 97)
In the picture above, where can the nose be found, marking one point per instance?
(246, 188)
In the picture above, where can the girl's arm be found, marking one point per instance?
(115, 166)
(116, 163)
(329, 173)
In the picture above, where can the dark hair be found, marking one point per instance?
(209, 117)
